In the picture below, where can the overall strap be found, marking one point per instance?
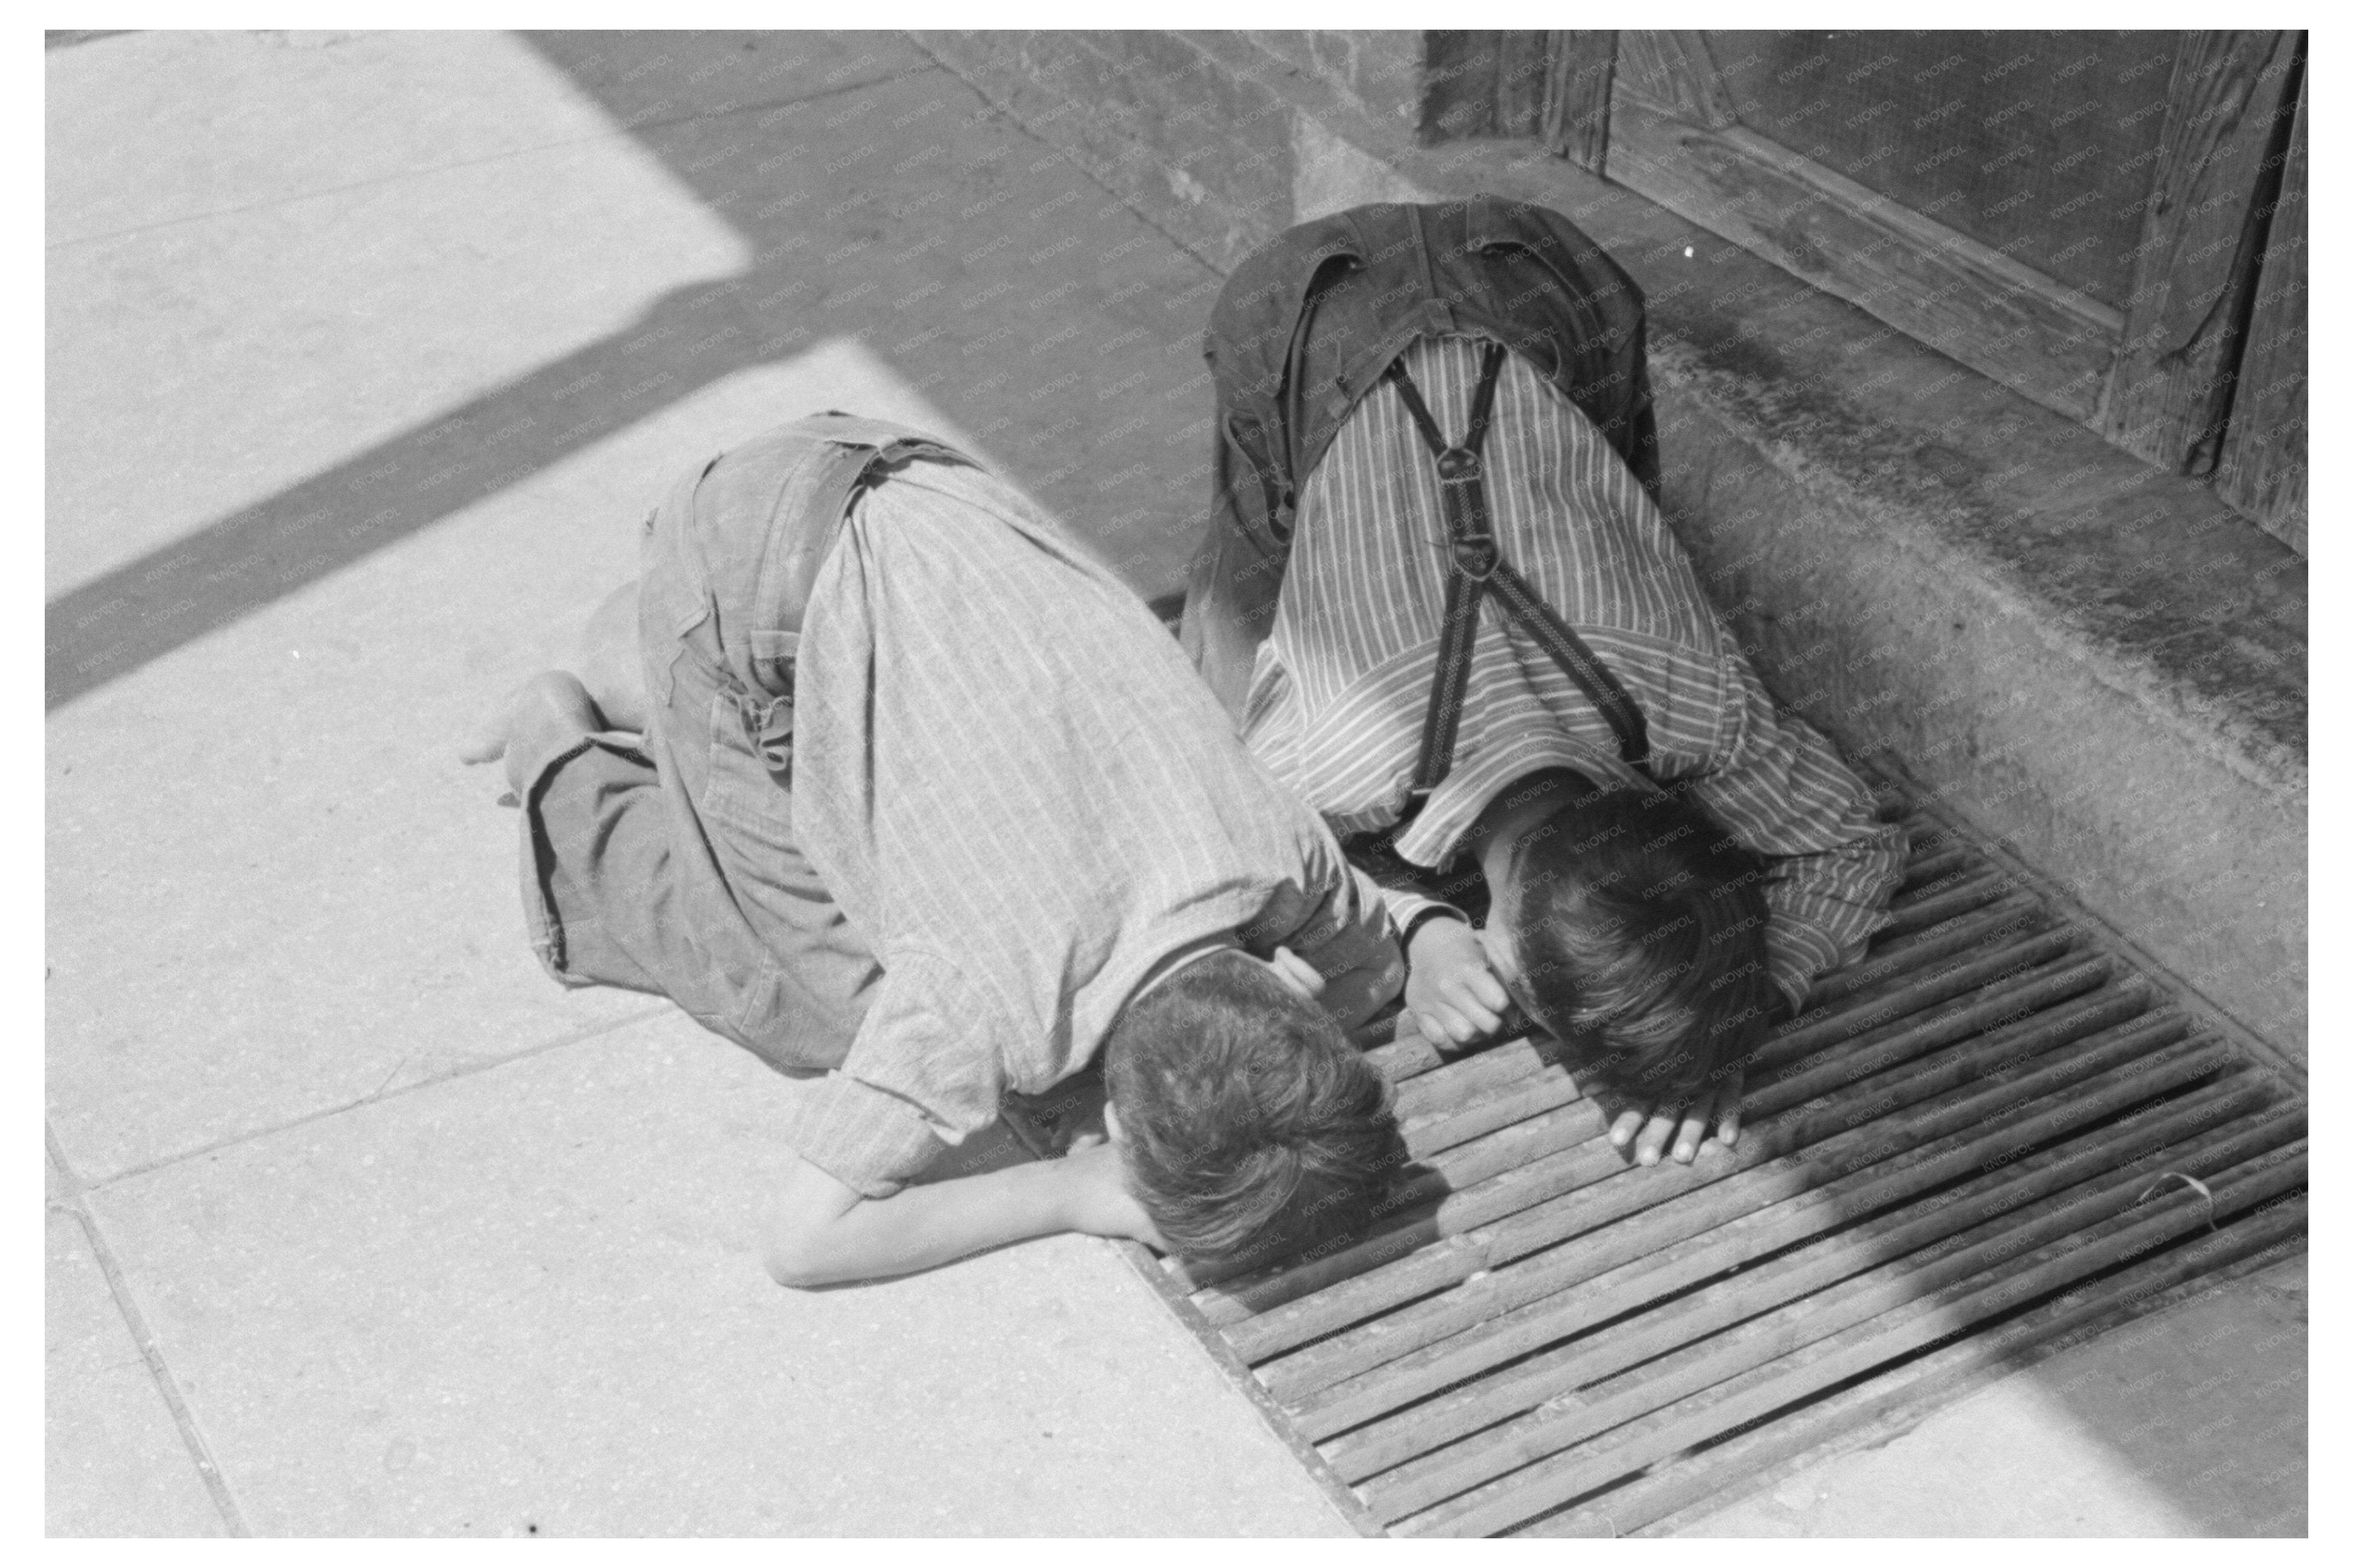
(871, 446)
(1475, 563)
(805, 520)
(1473, 543)
(1578, 662)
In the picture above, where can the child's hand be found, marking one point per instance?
(1451, 996)
(1686, 1124)
(1098, 1199)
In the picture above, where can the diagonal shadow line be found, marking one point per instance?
(147, 609)
(162, 601)
(150, 606)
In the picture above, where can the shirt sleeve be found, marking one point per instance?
(1408, 908)
(923, 1073)
(1831, 865)
(1270, 724)
(1409, 894)
(1337, 919)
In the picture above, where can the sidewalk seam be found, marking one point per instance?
(150, 1350)
(378, 1095)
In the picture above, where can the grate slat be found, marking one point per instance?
(1880, 1266)
(1483, 1073)
(1380, 1380)
(1428, 1078)
(1822, 1362)
(1438, 1130)
(1839, 1121)
(1941, 901)
(2271, 1234)
(1931, 867)
(1524, 1164)
(2004, 918)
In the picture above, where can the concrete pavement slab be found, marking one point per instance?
(210, 122)
(259, 264)
(531, 1300)
(1030, 304)
(262, 816)
(1036, 309)
(2190, 1422)
(273, 821)
(114, 1459)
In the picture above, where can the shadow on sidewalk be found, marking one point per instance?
(882, 199)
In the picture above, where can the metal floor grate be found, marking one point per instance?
(1969, 1152)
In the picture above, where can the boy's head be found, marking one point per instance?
(1637, 929)
(1247, 1119)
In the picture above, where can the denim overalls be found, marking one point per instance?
(677, 871)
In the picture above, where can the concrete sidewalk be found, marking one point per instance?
(418, 1242)
(366, 354)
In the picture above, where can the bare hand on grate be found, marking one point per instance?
(1451, 992)
(1647, 1132)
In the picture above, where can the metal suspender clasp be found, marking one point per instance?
(1477, 556)
(1469, 537)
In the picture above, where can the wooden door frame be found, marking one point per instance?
(1650, 110)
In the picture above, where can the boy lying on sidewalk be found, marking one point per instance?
(1421, 409)
(925, 800)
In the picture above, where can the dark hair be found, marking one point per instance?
(1640, 926)
(1247, 1120)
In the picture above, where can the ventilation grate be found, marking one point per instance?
(1998, 1132)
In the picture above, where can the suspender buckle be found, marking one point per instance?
(1475, 555)
(1458, 466)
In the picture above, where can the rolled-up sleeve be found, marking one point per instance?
(863, 1137)
(1831, 864)
(922, 1075)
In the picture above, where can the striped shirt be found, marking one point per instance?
(1342, 683)
(1019, 792)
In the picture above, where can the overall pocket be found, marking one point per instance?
(748, 785)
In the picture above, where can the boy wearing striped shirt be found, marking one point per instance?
(894, 784)
(1439, 599)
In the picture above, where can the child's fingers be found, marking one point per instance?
(1623, 1130)
(1490, 991)
(1692, 1133)
(1654, 1139)
(1464, 999)
(1728, 1108)
(1440, 1022)
(1300, 970)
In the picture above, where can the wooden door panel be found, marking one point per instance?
(2262, 470)
(2026, 330)
(2195, 266)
